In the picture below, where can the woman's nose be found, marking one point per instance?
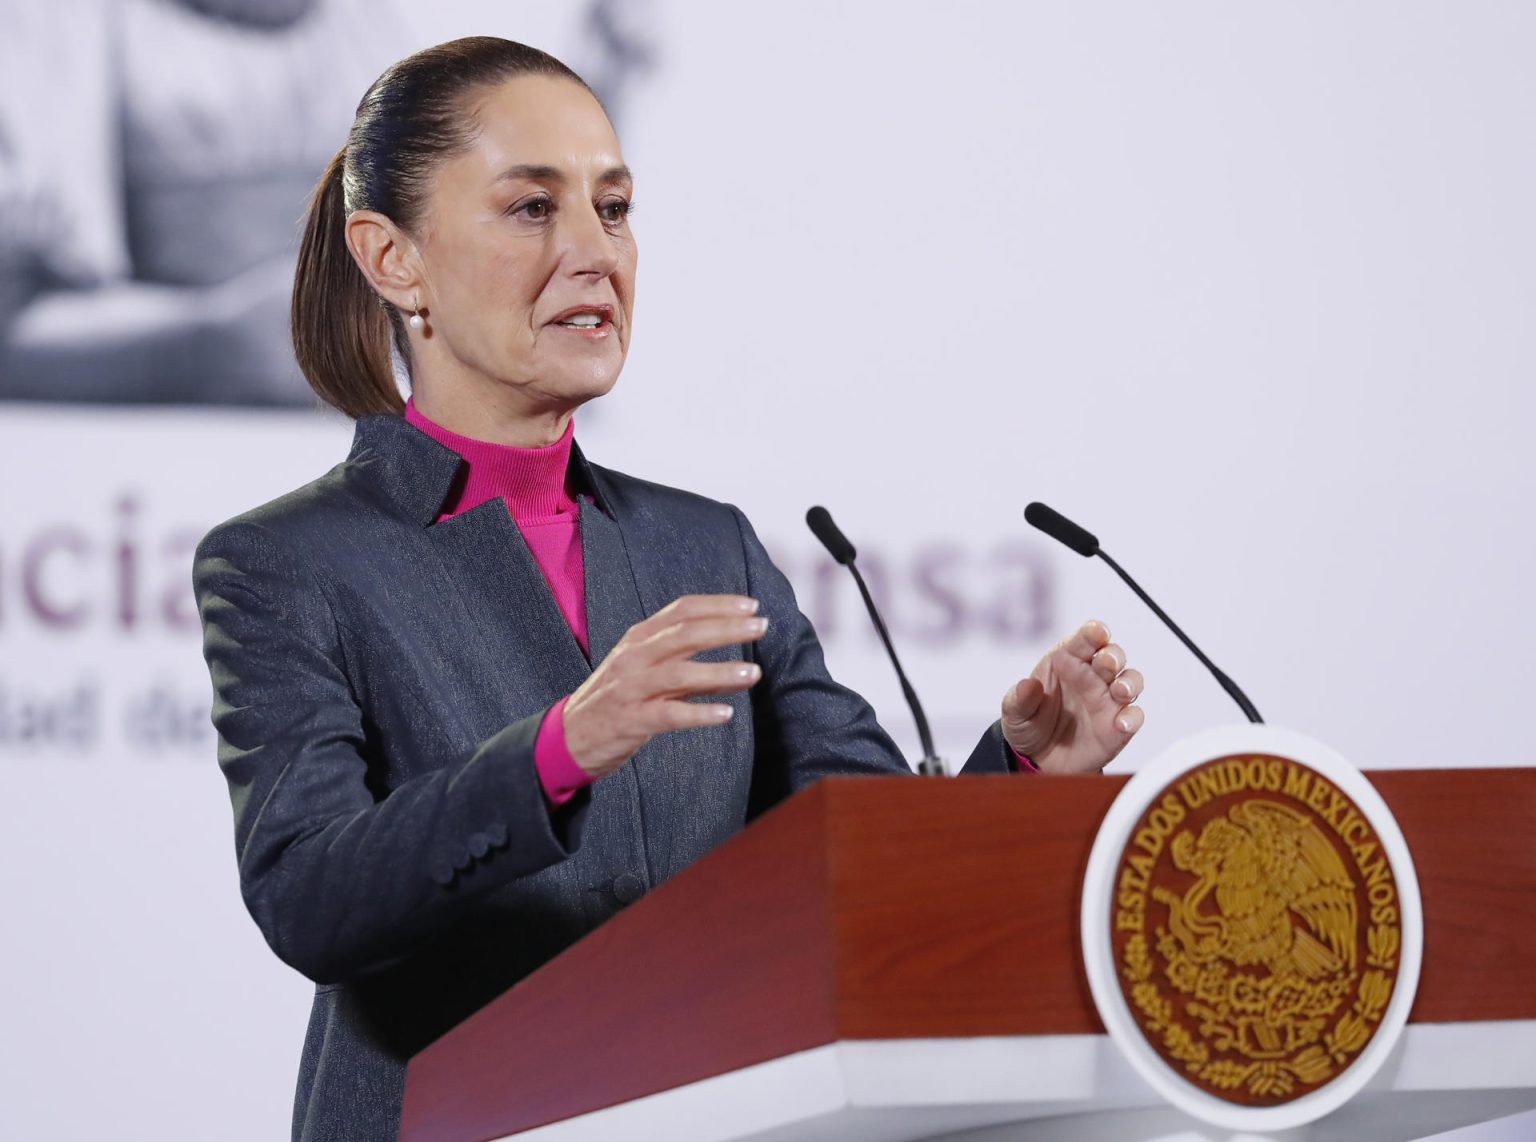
(588, 246)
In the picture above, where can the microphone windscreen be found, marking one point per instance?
(1061, 529)
(820, 522)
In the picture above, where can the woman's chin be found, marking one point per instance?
(581, 384)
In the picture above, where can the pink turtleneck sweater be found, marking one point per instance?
(531, 481)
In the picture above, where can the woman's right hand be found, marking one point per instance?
(638, 691)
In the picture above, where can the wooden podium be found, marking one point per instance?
(884, 958)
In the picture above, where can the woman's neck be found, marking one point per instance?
(473, 415)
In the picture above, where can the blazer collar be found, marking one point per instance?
(413, 473)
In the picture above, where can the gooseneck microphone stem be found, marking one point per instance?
(923, 736)
(1085, 543)
(1227, 684)
(820, 522)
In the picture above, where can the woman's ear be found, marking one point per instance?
(387, 258)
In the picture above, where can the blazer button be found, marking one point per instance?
(497, 835)
(479, 845)
(442, 872)
(628, 888)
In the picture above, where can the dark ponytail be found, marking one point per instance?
(341, 328)
(413, 117)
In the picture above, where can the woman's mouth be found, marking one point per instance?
(590, 320)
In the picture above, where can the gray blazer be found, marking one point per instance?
(379, 679)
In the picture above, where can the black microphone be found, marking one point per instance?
(820, 522)
(1060, 528)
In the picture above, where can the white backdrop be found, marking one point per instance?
(1247, 290)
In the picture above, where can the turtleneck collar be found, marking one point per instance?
(532, 481)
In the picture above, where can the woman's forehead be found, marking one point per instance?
(543, 125)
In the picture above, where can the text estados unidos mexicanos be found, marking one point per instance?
(1265, 775)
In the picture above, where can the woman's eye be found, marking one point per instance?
(615, 210)
(535, 209)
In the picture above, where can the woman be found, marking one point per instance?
(474, 694)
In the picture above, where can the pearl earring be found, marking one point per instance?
(417, 321)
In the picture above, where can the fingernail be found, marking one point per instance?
(1124, 724)
(748, 671)
(757, 626)
(724, 713)
(747, 606)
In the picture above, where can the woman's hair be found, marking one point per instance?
(416, 115)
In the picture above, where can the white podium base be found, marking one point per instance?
(1063, 1088)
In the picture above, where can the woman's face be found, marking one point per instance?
(526, 251)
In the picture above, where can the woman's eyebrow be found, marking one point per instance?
(534, 172)
(539, 172)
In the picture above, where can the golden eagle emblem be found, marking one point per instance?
(1266, 864)
(1256, 975)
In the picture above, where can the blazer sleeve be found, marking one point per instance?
(807, 725)
(343, 877)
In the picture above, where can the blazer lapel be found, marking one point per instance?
(613, 603)
(517, 628)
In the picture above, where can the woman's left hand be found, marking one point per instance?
(1074, 713)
